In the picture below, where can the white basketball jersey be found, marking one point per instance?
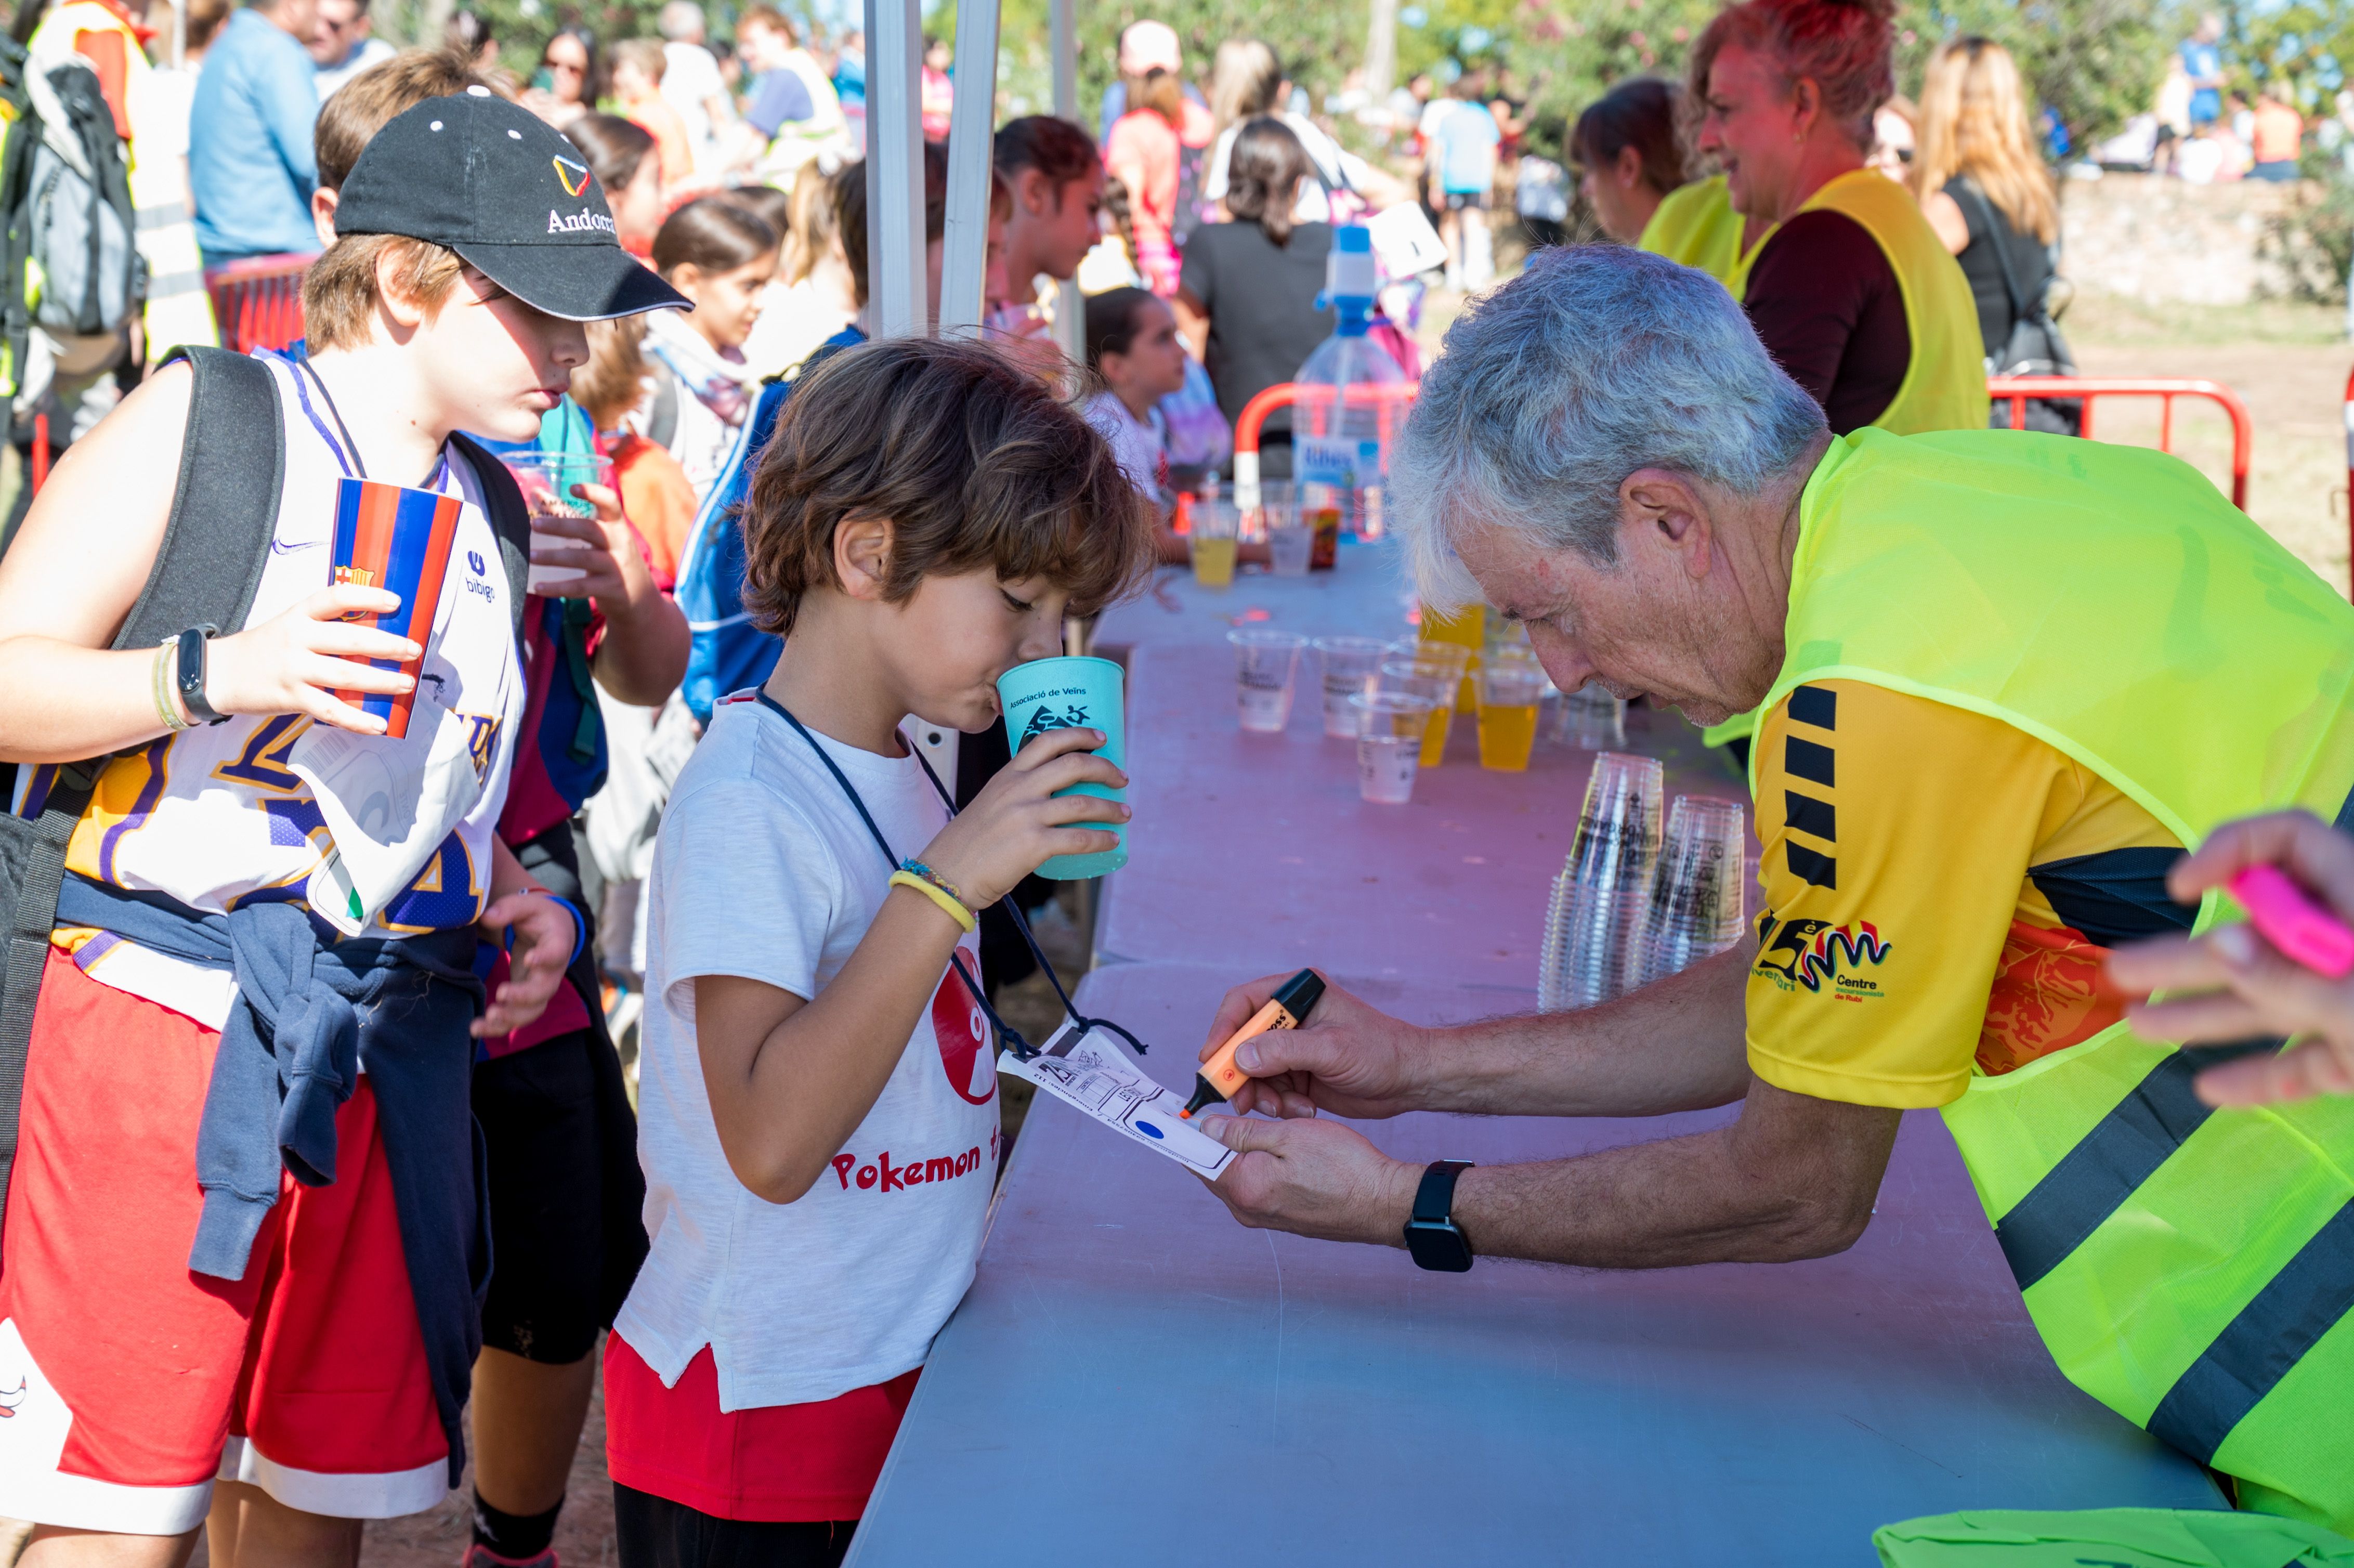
(214, 818)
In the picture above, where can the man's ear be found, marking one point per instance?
(862, 556)
(1660, 509)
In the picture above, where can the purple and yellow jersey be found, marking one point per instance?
(214, 817)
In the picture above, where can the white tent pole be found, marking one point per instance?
(897, 301)
(1070, 320)
(971, 126)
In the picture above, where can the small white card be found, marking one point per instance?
(389, 805)
(1095, 1073)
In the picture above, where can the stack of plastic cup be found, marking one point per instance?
(1265, 662)
(1511, 686)
(1436, 679)
(1598, 899)
(1389, 740)
(1352, 665)
(1591, 719)
(1695, 907)
(1210, 541)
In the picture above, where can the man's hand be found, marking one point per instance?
(2242, 986)
(1313, 1179)
(1348, 1058)
(544, 933)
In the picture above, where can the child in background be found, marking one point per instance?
(721, 257)
(923, 520)
(639, 65)
(656, 495)
(617, 151)
(1112, 263)
(1133, 345)
(760, 346)
(817, 297)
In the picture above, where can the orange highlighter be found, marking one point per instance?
(1287, 1008)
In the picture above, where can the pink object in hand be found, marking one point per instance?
(2287, 917)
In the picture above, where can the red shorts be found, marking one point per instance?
(776, 1463)
(129, 1383)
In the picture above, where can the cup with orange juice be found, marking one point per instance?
(1212, 542)
(1511, 691)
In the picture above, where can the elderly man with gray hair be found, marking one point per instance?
(2006, 679)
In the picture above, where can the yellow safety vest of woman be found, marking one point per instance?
(1945, 383)
(2193, 1269)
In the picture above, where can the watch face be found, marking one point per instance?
(1439, 1247)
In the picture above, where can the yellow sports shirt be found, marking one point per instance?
(1940, 890)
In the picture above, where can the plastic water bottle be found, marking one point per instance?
(1340, 438)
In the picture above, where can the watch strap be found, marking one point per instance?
(1434, 1199)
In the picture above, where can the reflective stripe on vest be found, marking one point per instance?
(2193, 1269)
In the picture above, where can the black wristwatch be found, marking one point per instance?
(189, 676)
(1431, 1238)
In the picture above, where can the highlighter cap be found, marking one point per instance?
(1300, 993)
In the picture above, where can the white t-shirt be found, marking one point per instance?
(763, 869)
(691, 80)
(1140, 445)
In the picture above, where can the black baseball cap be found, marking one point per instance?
(497, 184)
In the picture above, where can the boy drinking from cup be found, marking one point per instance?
(242, 1235)
(818, 1103)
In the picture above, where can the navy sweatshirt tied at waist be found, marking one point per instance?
(307, 1019)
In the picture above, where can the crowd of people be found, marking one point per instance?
(670, 802)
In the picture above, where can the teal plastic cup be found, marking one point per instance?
(1072, 694)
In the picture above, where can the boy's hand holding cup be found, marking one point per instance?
(297, 661)
(1021, 819)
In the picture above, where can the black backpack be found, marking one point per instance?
(224, 513)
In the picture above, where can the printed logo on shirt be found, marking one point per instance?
(482, 742)
(572, 177)
(878, 1175)
(1808, 953)
(962, 1030)
(474, 562)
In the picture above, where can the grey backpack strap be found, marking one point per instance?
(223, 513)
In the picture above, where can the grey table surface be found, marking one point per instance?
(1135, 1379)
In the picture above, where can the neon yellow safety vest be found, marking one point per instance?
(2191, 1269)
(178, 311)
(1695, 225)
(1945, 384)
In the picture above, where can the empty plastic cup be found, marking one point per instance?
(1592, 719)
(1279, 507)
(1695, 907)
(1352, 666)
(1436, 678)
(1288, 549)
(1265, 662)
(1072, 694)
(1390, 726)
(1212, 542)
(1509, 693)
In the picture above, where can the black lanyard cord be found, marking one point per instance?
(1009, 1037)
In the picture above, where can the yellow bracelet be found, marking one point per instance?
(938, 895)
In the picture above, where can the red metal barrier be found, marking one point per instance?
(259, 301)
(2018, 390)
(1389, 404)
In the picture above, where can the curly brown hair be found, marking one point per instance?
(974, 463)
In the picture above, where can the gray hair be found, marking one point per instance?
(1597, 361)
(681, 21)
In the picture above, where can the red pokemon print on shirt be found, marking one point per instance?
(962, 1030)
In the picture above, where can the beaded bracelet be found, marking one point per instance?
(919, 869)
(949, 904)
